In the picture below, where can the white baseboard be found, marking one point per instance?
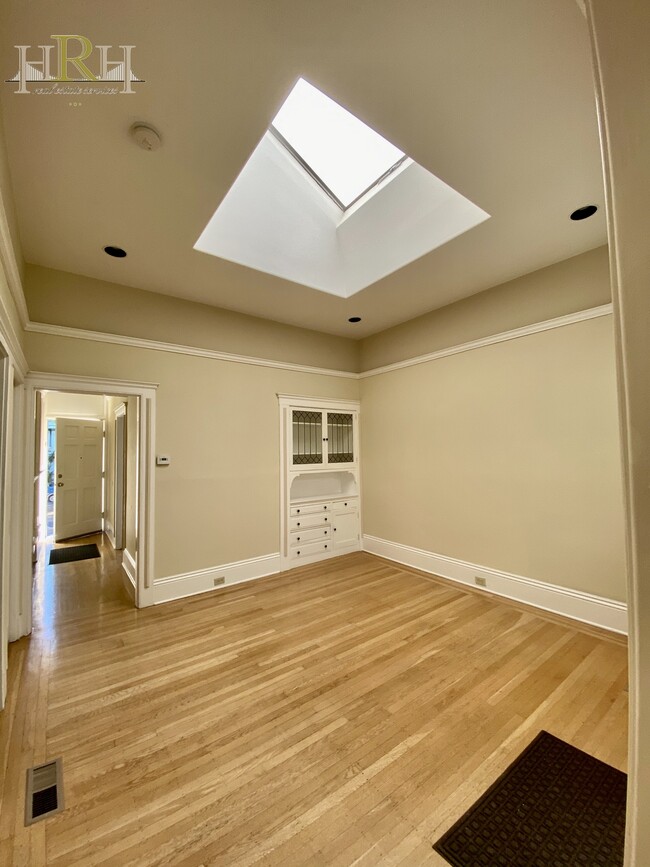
(202, 581)
(129, 569)
(595, 610)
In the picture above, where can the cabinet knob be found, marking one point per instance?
(335, 529)
(298, 510)
(299, 552)
(326, 519)
(326, 546)
(325, 507)
(298, 524)
(345, 504)
(298, 538)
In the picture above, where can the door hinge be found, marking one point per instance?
(103, 475)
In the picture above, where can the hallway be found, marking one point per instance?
(71, 593)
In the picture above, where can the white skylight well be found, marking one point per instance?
(326, 202)
(340, 151)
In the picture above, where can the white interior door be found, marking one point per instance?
(78, 477)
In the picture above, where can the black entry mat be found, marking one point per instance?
(555, 806)
(75, 552)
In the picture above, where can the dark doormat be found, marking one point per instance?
(555, 806)
(75, 552)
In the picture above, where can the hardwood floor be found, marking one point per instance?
(345, 713)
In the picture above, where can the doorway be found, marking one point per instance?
(87, 479)
(84, 494)
(137, 553)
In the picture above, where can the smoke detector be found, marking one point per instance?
(145, 136)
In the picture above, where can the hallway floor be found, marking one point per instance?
(345, 713)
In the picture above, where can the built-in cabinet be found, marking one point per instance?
(320, 495)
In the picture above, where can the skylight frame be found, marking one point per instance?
(321, 183)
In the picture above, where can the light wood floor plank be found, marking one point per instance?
(345, 713)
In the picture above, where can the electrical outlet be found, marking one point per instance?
(219, 581)
(480, 581)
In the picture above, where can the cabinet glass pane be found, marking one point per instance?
(307, 437)
(339, 438)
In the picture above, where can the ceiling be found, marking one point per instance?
(496, 99)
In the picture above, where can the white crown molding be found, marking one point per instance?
(202, 580)
(11, 340)
(10, 265)
(502, 337)
(595, 610)
(182, 349)
(179, 349)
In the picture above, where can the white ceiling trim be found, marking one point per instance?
(181, 349)
(10, 264)
(514, 334)
(11, 340)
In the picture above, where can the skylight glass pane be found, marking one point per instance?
(339, 148)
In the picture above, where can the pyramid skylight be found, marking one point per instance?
(345, 156)
(326, 202)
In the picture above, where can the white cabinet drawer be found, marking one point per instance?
(310, 509)
(345, 505)
(302, 536)
(300, 551)
(306, 522)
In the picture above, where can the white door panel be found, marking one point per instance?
(78, 488)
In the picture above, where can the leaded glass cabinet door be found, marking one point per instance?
(340, 438)
(307, 438)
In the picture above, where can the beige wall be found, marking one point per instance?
(218, 501)
(505, 456)
(64, 403)
(566, 287)
(70, 299)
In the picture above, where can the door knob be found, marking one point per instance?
(59, 484)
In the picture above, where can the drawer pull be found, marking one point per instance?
(335, 529)
(298, 538)
(298, 510)
(298, 524)
(326, 546)
(325, 532)
(325, 507)
(326, 519)
(345, 504)
(299, 552)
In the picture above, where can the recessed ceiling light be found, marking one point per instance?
(117, 252)
(584, 212)
(354, 319)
